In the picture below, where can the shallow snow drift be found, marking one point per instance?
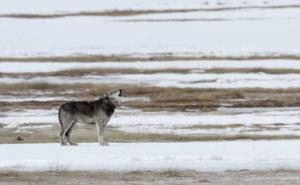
(206, 156)
(44, 67)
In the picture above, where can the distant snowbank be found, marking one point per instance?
(206, 156)
(178, 80)
(40, 67)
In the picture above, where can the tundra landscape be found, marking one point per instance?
(211, 91)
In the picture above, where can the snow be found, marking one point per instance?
(68, 6)
(15, 118)
(254, 121)
(277, 33)
(40, 67)
(23, 98)
(190, 80)
(97, 35)
(200, 156)
(238, 14)
(12, 98)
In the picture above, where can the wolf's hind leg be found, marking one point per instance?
(61, 137)
(68, 133)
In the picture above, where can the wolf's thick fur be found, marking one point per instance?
(98, 111)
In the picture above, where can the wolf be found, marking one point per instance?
(99, 112)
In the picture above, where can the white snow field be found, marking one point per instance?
(97, 35)
(238, 14)
(197, 66)
(222, 32)
(71, 6)
(200, 156)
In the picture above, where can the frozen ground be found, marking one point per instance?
(205, 156)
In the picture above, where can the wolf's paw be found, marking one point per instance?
(73, 144)
(104, 144)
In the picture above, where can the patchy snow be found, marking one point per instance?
(226, 121)
(13, 98)
(190, 80)
(232, 121)
(15, 118)
(22, 98)
(39, 67)
(205, 156)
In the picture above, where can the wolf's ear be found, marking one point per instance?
(104, 95)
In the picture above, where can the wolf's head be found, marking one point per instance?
(114, 96)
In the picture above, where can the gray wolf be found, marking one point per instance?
(99, 112)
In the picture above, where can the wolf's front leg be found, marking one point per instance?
(100, 134)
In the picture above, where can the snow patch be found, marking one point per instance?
(200, 156)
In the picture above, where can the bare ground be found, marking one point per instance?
(279, 177)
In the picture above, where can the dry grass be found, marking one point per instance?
(4, 87)
(168, 177)
(252, 70)
(95, 71)
(122, 13)
(154, 57)
(113, 13)
(109, 71)
(98, 177)
(171, 99)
